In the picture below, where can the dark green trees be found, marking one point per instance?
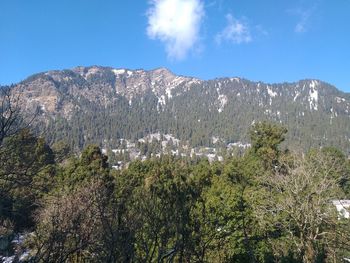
(265, 206)
(266, 138)
(26, 174)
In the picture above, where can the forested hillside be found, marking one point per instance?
(103, 105)
(265, 206)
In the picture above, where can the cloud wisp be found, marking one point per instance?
(304, 17)
(176, 23)
(236, 31)
(301, 26)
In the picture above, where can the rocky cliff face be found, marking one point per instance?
(100, 104)
(57, 92)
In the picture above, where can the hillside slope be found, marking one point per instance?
(101, 105)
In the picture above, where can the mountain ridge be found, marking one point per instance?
(181, 75)
(125, 103)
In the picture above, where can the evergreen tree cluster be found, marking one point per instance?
(95, 106)
(267, 205)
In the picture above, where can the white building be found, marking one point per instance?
(343, 207)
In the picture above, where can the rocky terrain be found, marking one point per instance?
(103, 105)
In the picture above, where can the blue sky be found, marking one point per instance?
(270, 40)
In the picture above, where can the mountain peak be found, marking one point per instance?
(221, 107)
(162, 70)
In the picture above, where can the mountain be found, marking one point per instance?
(102, 105)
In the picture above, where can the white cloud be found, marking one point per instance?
(304, 16)
(236, 31)
(177, 24)
(301, 26)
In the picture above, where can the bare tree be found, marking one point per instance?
(298, 205)
(10, 113)
(13, 121)
(12, 117)
(81, 225)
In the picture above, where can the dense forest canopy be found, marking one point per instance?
(268, 205)
(101, 105)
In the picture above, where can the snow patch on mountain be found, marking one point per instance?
(314, 84)
(235, 79)
(168, 93)
(339, 100)
(118, 72)
(177, 81)
(82, 71)
(271, 92)
(161, 100)
(296, 95)
(313, 95)
(334, 114)
(222, 100)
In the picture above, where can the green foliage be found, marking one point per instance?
(264, 206)
(265, 138)
(90, 166)
(61, 151)
(26, 174)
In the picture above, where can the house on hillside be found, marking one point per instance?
(343, 207)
